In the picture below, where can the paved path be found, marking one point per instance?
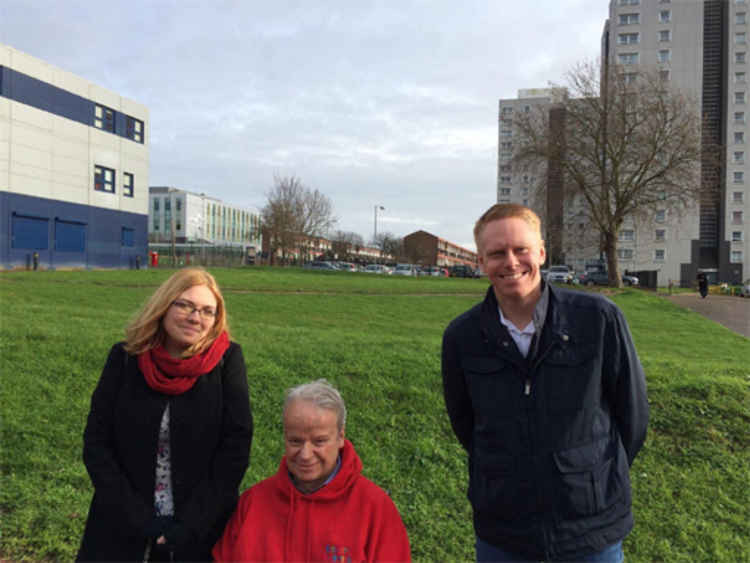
(732, 312)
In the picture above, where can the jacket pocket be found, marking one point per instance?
(571, 379)
(497, 489)
(589, 481)
(493, 386)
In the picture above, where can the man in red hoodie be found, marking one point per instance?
(318, 506)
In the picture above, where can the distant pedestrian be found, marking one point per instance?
(670, 285)
(703, 285)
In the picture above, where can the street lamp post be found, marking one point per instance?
(375, 231)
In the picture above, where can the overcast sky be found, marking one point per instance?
(373, 103)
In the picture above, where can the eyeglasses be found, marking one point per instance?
(187, 308)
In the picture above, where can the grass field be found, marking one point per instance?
(378, 340)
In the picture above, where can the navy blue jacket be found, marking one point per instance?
(550, 437)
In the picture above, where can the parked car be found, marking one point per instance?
(560, 274)
(377, 269)
(320, 265)
(599, 277)
(433, 271)
(463, 271)
(405, 270)
(347, 266)
(628, 279)
(745, 289)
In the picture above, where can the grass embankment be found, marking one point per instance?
(378, 340)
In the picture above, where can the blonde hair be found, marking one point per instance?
(507, 211)
(145, 330)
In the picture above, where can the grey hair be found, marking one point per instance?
(321, 394)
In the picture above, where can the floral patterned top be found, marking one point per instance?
(163, 499)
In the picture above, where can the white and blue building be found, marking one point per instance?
(74, 165)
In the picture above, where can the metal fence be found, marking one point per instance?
(186, 254)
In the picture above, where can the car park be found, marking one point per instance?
(600, 277)
(347, 267)
(463, 271)
(405, 270)
(377, 269)
(321, 265)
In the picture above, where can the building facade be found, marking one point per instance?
(426, 249)
(191, 218)
(74, 165)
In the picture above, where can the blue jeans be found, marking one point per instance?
(486, 553)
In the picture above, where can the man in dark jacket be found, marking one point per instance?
(545, 392)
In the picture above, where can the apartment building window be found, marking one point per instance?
(659, 254)
(526, 202)
(156, 205)
(664, 55)
(628, 58)
(104, 118)
(739, 117)
(178, 204)
(665, 1)
(503, 200)
(664, 75)
(665, 35)
(504, 191)
(739, 58)
(628, 38)
(629, 2)
(505, 168)
(506, 133)
(104, 179)
(739, 137)
(739, 177)
(156, 223)
(524, 191)
(660, 215)
(627, 235)
(134, 129)
(505, 179)
(736, 257)
(665, 16)
(127, 184)
(739, 18)
(660, 235)
(506, 146)
(629, 19)
(740, 38)
(738, 197)
(737, 218)
(739, 97)
(739, 157)
(736, 236)
(625, 253)
(629, 77)
(739, 77)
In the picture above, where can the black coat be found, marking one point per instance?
(550, 438)
(210, 434)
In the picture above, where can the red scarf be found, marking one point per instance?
(174, 376)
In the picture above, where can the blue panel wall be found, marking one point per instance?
(79, 236)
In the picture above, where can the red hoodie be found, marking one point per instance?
(347, 521)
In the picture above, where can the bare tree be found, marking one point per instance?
(346, 243)
(623, 145)
(293, 215)
(389, 244)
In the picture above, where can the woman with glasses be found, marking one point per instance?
(168, 436)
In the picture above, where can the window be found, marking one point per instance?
(526, 109)
(665, 16)
(127, 237)
(156, 223)
(739, 58)
(630, 77)
(506, 111)
(504, 191)
(506, 133)
(739, 97)
(505, 179)
(665, 35)
(504, 200)
(29, 232)
(629, 19)
(127, 185)
(70, 236)
(629, 2)
(627, 234)
(739, 177)
(739, 77)
(628, 38)
(156, 204)
(738, 197)
(660, 215)
(625, 253)
(739, 137)
(739, 117)
(739, 157)
(737, 218)
(660, 235)
(736, 236)
(104, 179)
(506, 146)
(740, 38)
(167, 206)
(664, 75)
(659, 254)
(736, 257)
(628, 58)
(104, 118)
(178, 203)
(739, 18)
(505, 168)
(664, 55)
(524, 191)
(526, 202)
(134, 129)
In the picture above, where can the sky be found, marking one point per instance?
(374, 103)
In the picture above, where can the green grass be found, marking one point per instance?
(377, 339)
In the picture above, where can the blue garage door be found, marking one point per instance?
(30, 232)
(70, 236)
